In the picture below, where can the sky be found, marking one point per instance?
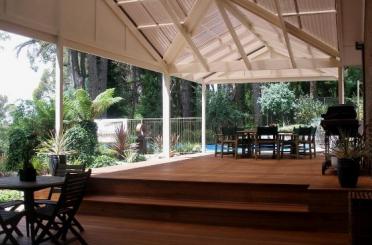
(17, 79)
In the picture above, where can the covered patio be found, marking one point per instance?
(207, 200)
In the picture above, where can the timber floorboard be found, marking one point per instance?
(247, 170)
(106, 230)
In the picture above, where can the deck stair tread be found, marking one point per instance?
(211, 204)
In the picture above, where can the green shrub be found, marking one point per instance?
(132, 156)
(40, 163)
(82, 143)
(91, 128)
(17, 148)
(8, 195)
(188, 147)
(103, 161)
(307, 109)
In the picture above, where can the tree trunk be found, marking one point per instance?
(76, 71)
(185, 96)
(97, 71)
(93, 76)
(256, 106)
(313, 89)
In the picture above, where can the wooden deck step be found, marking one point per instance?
(198, 190)
(270, 207)
(246, 214)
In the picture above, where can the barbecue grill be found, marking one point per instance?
(340, 120)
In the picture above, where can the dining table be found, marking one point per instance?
(28, 188)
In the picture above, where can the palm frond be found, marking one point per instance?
(81, 105)
(103, 101)
(23, 45)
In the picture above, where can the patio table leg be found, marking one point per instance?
(29, 210)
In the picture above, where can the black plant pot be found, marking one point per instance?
(55, 161)
(27, 174)
(348, 172)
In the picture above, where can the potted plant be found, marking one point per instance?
(28, 172)
(349, 151)
(56, 147)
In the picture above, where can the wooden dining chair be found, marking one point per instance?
(304, 141)
(227, 140)
(54, 221)
(9, 221)
(61, 171)
(266, 138)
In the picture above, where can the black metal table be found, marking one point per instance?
(28, 188)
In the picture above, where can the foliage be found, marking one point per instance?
(21, 148)
(82, 108)
(352, 75)
(56, 144)
(82, 143)
(188, 147)
(34, 116)
(121, 142)
(3, 124)
(38, 51)
(157, 143)
(91, 128)
(131, 156)
(40, 163)
(8, 195)
(4, 36)
(107, 150)
(46, 86)
(347, 147)
(221, 111)
(149, 104)
(277, 99)
(103, 161)
(307, 109)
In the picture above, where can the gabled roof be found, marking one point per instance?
(213, 41)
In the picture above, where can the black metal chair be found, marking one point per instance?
(9, 221)
(266, 139)
(54, 221)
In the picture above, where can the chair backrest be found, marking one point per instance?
(63, 169)
(73, 191)
(313, 132)
(229, 132)
(305, 133)
(267, 132)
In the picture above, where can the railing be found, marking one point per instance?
(184, 131)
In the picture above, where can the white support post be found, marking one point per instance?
(203, 118)
(341, 85)
(59, 89)
(166, 115)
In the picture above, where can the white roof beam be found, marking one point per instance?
(299, 13)
(270, 64)
(232, 32)
(292, 29)
(271, 79)
(184, 33)
(285, 34)
(191, 22)
(245, 22)
(124, 18)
